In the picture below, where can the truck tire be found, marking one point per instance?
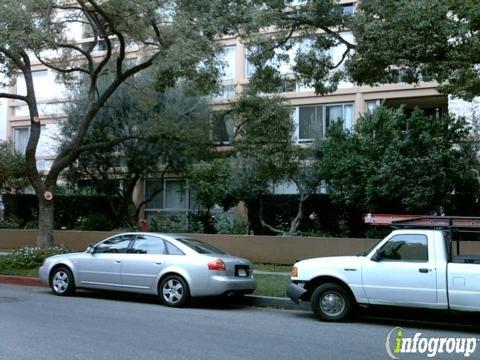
(332, 302)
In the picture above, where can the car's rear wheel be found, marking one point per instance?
(174, 291)
(62, 282)
(332, 302)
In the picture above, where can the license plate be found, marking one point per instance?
(242, 272)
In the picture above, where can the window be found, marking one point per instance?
(169, 196)
(200, 246)
(226, 92)
(313, 121)
(172, 249)
(41, 83)
(406, 247)
(145, 244)
(372, 105)
(223, 128)
(228, 63)
(348, 9)
(117, 244)
(47, 144)
(20, 139)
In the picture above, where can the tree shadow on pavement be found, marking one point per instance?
(217, 303)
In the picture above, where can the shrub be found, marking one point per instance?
(225, 224)
(31, 256)
(10, 222)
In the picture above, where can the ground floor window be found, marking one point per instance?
(168, 197)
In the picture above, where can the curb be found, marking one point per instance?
(247, 300)
(274, 302)
(21, 280)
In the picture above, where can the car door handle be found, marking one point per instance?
(118, 261)
(424, 270)
(158, 263)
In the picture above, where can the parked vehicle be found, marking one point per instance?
(173, 267)
(412, 267)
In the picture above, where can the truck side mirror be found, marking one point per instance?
(376, 256)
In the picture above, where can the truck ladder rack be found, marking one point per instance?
(454, 223)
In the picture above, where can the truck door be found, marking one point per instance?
(402, 272)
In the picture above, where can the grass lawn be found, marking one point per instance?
(17, 272)
(272, 267)
(272, 285)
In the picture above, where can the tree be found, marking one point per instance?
(176, 39)
(299, 34)
(393, 161)
(12, 169)
(267, 153)
(209, 183)
(168, 131)
(412, 41)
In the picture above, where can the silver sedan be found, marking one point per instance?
(174, 267)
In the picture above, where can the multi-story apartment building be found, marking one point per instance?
(312, 114)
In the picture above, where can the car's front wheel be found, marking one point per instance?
(332, 302)
(173, 291)
(62, 282)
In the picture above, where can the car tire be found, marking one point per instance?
(332, 302)
(62, 282)
(173, 291)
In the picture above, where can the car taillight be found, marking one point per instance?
(294, 272)
(217, 265)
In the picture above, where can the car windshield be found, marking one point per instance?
(366, 252)
(200, 246)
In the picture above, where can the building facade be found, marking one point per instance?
(312, 114)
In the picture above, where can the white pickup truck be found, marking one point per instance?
(411, 268)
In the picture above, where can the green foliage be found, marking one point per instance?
(30, 257)
(169, 223)
(96, 222)
(163, 131)
(12, 169)
(209, 183)
(411, 41)
(10, 222)
(313, 23)
(393, 161)
(224, 224)
(21, 211)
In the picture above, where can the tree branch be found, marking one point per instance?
(13, 96)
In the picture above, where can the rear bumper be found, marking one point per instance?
(221, 285)
(295, 292)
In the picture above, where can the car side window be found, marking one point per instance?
(145, 244)
(172, 249)
(117, 244)
(405, 247)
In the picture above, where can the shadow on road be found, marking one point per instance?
(222, 303)
(413, 318)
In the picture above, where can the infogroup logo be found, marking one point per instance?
(398, 343)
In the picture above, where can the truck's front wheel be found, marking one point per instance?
(332, 302)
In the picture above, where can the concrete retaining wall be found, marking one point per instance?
(268, 249)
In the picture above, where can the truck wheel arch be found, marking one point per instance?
(317, 281)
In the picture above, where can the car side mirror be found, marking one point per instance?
(91, 249)
(377, 256)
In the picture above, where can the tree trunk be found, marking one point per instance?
(298, 219)
(45, 223)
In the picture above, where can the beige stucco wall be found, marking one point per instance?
(268, 249)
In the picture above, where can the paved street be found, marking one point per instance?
(34, 324)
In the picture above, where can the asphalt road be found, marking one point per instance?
(35, 324)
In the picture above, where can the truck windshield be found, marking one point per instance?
(367, 251)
